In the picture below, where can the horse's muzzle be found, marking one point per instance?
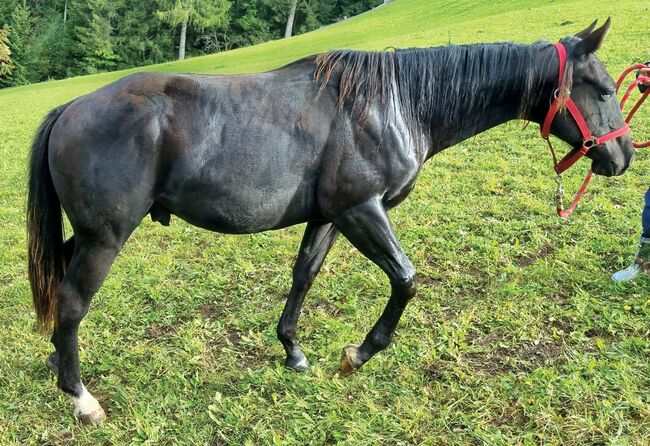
(610, 168)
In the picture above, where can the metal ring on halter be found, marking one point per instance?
(589, 143)
(556, 93)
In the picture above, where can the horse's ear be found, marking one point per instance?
(593, 40)
(585, 32)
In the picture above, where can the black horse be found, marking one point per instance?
(334, 140)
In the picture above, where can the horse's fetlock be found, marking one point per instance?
(380, 340)
(285, 334)
(72, 387)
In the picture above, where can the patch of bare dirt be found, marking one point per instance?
(327, 306)
(428, 281)
(156, 331)
(547, 350)
(233, 346)
(528, 259)
(211, 311)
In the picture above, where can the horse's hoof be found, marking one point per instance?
(94, 418)
(53, 363)
(297, 363)
(86, 408)
(349, 360)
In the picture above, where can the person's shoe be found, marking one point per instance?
(641, 263)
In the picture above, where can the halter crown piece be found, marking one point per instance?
(588, 140)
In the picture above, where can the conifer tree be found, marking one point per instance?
(199, 14)
(92, 34)
(6, 65)
(21, 26)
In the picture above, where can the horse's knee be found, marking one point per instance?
(404, 284)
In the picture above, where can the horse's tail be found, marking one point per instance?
(46, 260)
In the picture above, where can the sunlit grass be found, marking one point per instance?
(517, 335)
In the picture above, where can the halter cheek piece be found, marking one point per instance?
(588, 140)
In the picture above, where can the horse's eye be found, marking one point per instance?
(607, 94)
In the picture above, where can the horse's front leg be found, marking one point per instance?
(368, 228)
(316, 243)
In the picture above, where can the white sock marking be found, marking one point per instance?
(85, 403)
(303, 363)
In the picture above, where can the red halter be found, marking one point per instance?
(588, 140)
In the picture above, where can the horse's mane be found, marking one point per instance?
(443, 76)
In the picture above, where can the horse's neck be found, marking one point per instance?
(451, 123)
(447, 135)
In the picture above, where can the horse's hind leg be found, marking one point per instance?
(53, 359)
(316, 243)
(369, 230)
(89, 265)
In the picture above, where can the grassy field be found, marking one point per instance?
(517, 335)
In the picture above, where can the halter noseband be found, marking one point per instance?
(588, 140)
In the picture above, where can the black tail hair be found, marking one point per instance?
(46, 258)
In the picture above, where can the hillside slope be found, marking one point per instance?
(405, 23)
(517, 335)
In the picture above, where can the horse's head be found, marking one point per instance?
(592, 89)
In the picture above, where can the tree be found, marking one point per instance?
(6, 65)
(93, 36)
(292, 15)
(52, 51)
(21, 26)
(200, 14)
(6, 8)
(250, 23)
(139, 37)
(54, 39)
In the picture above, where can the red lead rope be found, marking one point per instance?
(629, 90)
(588, 140)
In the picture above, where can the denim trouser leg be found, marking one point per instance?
(645, 216)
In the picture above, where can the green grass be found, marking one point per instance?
(517, 335)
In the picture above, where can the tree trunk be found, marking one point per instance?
(289, 30)
(181, 47)
(65, 11)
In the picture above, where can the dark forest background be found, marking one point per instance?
(54, 39)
